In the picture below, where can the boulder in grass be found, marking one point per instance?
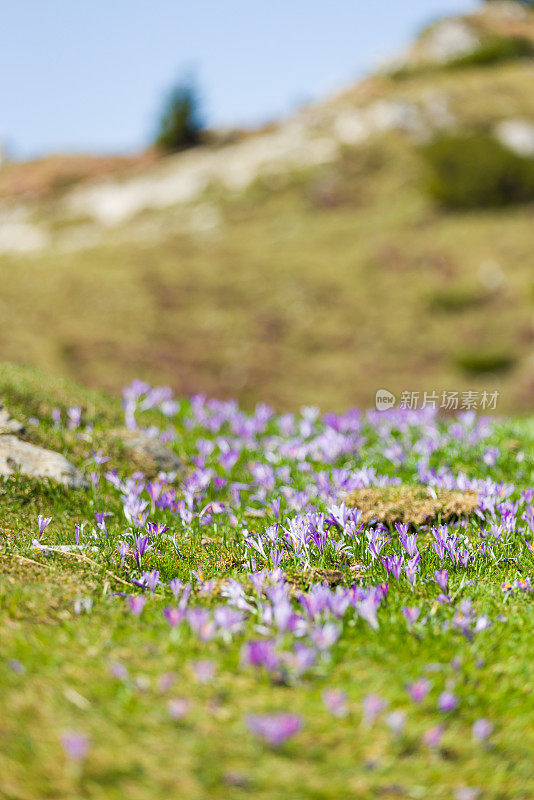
(8, 424)
(414, 505)
(150, 454)
(21, 457)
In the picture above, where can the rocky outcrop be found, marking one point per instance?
(36, 462)
(446, 40)
(517, 135)
(8, 424)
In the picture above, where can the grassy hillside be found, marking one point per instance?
(100, 702)
(317, 285)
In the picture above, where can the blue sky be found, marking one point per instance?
(89, 75)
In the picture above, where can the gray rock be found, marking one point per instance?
(36, 462)
(150, 453)
(7, 423)
(517, 135)
(447, 40)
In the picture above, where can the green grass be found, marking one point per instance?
(136, 749)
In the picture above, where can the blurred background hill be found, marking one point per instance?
(380, 239)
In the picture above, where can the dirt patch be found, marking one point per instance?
(414, 505)
(51, 176)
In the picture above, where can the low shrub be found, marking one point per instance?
(475, 170)
(480, 362)
(450, 301)
(494, 50)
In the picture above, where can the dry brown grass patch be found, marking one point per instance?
(414, 505)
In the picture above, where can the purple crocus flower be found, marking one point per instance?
(303, 659)
(336, 702)
(442, 578)
(204, 671)
(134, 511)
(447, 701)
(323, 637)
(156, 530)
(418, 690)
(99, 458)
(74, 415)
(201, 623)
(260, 654)
(467, 793)
(376, 543)
(275, 729)
(228, 620)
(43, 522)
(178, 707)
(174, 616)
(490, 456)
(100, 518)
(166, 681)
(275, 507)
(77, 533)
(410, 615)
(432, 736)
(409, 543)
(176, 586)
(122, 549)
(372, 705)
(142, 545)
(412, 567)
(318, 537)
(393, 565)
(93, 478)
(151, 579)
(118, 671)
(227, 460)
(75, 745)
(482, 728)
(367, 610)
(464, 556)
(137, 602)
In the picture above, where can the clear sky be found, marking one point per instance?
(89, 75)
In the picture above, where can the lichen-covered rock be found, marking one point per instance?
(414, 505)
(36, 462)
(151, 454)
(517, 135)
(448, 39)
(8, 424)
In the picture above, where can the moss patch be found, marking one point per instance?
(412, 504)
